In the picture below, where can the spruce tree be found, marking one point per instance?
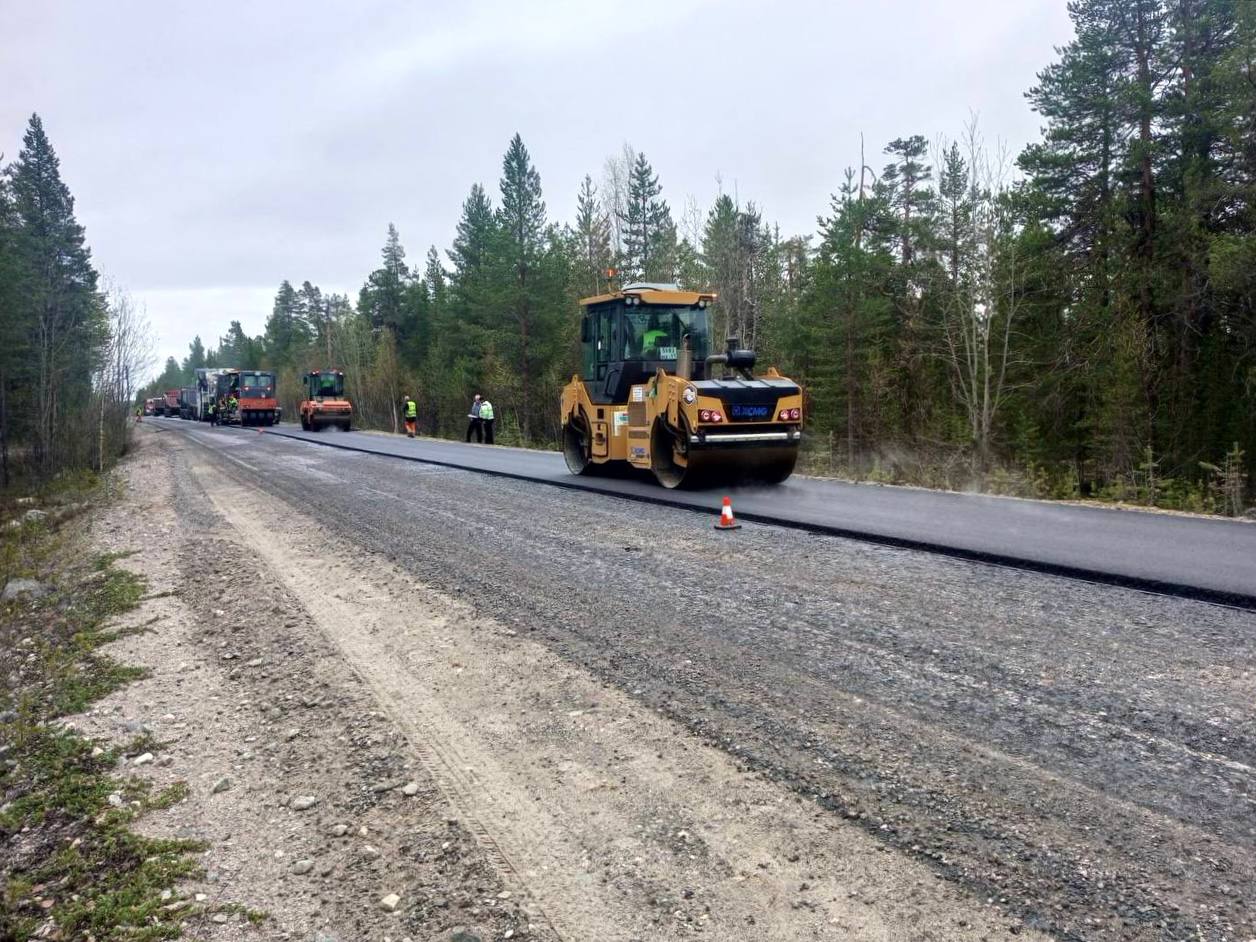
(475, 235)
(14, 324)
(528, 294)
(56, 287)
(648, 230)
(195, 359)
(382, 298)
(592, 236)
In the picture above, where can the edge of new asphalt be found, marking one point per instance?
(606, 487)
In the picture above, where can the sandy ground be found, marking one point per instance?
(497, 788)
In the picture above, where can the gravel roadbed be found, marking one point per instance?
(1078, 758)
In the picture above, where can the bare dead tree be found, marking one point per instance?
(128, 357)
(614, 192)
(985, 295)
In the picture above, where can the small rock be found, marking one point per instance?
(220, 786)
(115, 800)
(410, 789)
(34, 516)
(219, 917)
(390, 902)
(15, 588)
(338, 830)
(292, 734)
(145, 759)
(97, 752)
(301, 867)
(369, 851)
(303, 802)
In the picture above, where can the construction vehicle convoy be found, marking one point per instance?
(325, 403)
(648, 395)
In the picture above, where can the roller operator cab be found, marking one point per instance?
(652, 393)
(325, 403)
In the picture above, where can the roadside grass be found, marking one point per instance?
(70, 865)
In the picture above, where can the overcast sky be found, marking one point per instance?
(215, 149)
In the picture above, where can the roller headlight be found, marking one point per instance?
(690, 395)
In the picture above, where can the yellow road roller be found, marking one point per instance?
(651, 395)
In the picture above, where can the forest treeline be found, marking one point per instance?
(1073, 319)
(71, 352)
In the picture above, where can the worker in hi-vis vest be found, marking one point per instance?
(486, 419)
(411, 414)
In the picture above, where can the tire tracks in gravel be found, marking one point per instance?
(613, 819)
(887, 687)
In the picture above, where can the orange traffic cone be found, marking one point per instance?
(727, 521)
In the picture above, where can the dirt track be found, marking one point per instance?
(637, 729)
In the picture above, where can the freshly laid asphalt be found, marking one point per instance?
(1196, 557)
(1210, 559)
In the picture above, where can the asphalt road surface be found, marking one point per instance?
(1193, 556)
(1082, 756)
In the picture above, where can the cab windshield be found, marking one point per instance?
(256, 385)
(328, 386)
(657, 332)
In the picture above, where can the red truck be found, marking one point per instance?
(170, 402)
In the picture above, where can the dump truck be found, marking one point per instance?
(254, 392)
(650, 395)
(325, 403)
(170, 403)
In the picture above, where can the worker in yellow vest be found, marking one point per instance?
(486, 420)
(411, 415)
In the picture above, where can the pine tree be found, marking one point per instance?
(313, 320)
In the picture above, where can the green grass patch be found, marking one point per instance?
(71, 859)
